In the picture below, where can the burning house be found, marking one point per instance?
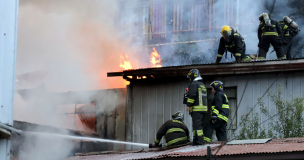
(151, 101)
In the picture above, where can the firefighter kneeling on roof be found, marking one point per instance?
(197, 104)
(220, 113)
(175, 131)
(233, 42)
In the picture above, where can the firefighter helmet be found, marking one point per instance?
(178, 116)
(217, 85)
(226, 30)
(194, 73)
(226, 33)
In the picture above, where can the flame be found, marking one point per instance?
(126, 65)
(155, 58)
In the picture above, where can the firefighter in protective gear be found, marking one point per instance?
(233, 42)
(220, 113)
(268, 33)
(290, 29)
(175, 131)
(197, 104)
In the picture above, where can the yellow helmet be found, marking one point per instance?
(226, 31)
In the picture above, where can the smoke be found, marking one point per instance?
(76, 42)
(211, 16)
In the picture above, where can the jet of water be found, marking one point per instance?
(86, 138)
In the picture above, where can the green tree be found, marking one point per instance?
(287, 121)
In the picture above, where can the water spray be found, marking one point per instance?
(87, 138)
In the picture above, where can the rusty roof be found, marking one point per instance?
(289, 145)
(254, 67)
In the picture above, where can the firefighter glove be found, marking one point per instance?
(214, 119)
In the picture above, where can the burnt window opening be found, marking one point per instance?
(231, 93)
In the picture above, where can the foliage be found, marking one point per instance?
(285, 120)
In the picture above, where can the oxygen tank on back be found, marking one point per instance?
(266, 19)
(291, 22)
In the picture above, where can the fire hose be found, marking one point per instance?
(11, 128)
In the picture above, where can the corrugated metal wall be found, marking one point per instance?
(149, 105)
(291, 85)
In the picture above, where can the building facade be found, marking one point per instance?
(152, 101)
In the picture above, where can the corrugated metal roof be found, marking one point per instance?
(204, 64)
(264, 66)
(273, 146)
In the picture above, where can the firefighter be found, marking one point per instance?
(175, 131)
(290, 29)
(268, 33)
(233, 42)
(197, 104)
(220, 113)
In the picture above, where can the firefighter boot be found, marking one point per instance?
(262, 54)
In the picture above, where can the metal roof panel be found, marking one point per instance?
(249, 141)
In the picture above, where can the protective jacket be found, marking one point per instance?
(288, 33)
(197, 97)
(175, 132)
(236, 46)
(270, 35)
(274, 30)
(220, 106)
(287, 30)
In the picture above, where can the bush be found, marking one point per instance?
(287, 121)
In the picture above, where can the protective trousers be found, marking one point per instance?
(264, 45)
(220, 130)
(287, 43)
(243, 57)
(198, 135)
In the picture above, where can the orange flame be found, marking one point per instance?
(155, 58)
(126, 64)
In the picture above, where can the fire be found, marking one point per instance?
(155, 59)
(126, 65)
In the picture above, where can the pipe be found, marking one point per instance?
(10, 128)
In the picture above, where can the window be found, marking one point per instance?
(231, 93)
